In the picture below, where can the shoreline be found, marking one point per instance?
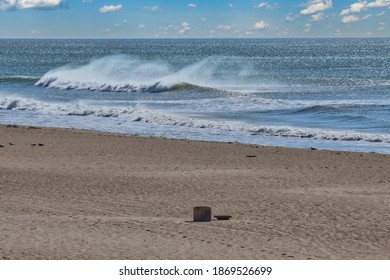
(96, 195)
(267, 143)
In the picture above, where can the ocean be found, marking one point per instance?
(329, 94)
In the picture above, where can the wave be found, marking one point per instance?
(137, 113)
(336, 112)
(128, 74)
(341, 106)
(18, 79)
(316, 109)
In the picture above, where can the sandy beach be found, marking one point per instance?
(90, 195)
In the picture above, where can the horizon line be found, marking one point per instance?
(188, 38)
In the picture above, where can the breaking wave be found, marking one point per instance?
(128, 74)
(137, 113)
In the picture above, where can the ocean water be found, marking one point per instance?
(323, 93)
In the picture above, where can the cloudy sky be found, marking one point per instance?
(193, 18)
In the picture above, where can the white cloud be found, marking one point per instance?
(354, 8)
(225, 27)
(169, 27)
(266, 5)
(250, 33)
(141, 26)
(152, 8)
(379, 4)
(260, 25)
(261, 5)
(381, 26)
(317, 17)
(365, 5)
(185, 27)
(203, 19)
(381, 14)
(231, 5)
(350, 19)
(315, 6)
(307, 28)
(291, 17)
(32, 4)
(367, 16)
(192, 5)
(110, 8)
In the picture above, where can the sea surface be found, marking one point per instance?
(323, 93)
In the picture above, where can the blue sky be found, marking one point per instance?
(193, 18)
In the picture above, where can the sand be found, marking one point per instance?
(90, 195)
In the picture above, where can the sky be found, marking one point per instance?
(194, 18)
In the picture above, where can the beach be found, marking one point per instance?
(92, 195)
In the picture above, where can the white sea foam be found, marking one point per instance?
(128, 74)
(114, 73)
(138, 113)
